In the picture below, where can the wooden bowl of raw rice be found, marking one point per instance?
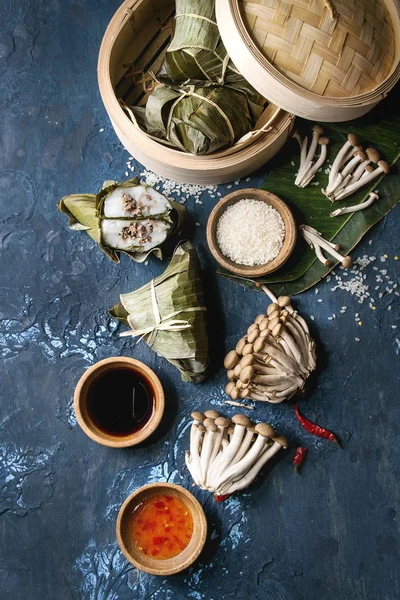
(251, 232)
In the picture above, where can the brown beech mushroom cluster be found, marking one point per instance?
(275, 357)
(308, 165)
(227, 454)
(315, 240)
(352, 169)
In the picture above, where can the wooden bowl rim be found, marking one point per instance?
(272, 200)
(199, 525)
(135, 438)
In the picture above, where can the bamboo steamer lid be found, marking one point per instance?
(325, 60)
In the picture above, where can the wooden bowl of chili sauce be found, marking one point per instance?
(161, 528)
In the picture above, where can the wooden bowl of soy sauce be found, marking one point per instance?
(119, 402)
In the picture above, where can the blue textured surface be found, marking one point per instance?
(330, 533)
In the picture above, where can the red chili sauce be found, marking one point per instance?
(161, 526)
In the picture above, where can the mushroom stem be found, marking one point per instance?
(268, 453)
(337, 163)
(267, 291)
(383, 168)
(313, 169)
(325, 261)
(303, 153)
(316, 132)
(236, 470)
(317, 239)
(350, 209)
(223, 460)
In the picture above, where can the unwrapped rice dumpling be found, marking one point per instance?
(170, 315)
(124, 217)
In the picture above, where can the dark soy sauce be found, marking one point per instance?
(120, 402)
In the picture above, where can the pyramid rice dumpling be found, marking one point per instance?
(170, 315)
(202, 103)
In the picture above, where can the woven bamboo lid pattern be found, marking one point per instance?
(326, 60)
(342, 56)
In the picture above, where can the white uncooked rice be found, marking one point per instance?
(250, 232)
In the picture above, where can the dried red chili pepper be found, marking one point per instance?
(316, 429)
(299, 458)
(222, 498)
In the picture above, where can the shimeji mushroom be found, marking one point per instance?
(352, 169)
(341, 158)
(308, 168)
(233, 455)
(350, 209)
(278, 360)
(315, 239)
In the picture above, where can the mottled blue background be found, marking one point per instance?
(331, 533)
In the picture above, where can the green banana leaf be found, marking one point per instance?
(178, 292)
(85, 213)
(379, 129)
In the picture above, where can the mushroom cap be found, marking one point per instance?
(265, 429)
(248, 349)
(231, 429)
(222, 422)
(361, 155)
(244, 393)
(210, 425)
(247, 360)
(231, 359)
(273, 323)
(198, 416)
(229, 387)
(277, 330)
(236, 370)
(241, 344)
(369, 169)
(323, 141)
(358, 148)
(281, 440)
(353, 139)
(317, 129)
(283, 301)
(253, 335)
(252, 327)
(275, 315)
(241, 420)
(201, 428)
(259, 318)
(272, 307)
(211, 414)
(384, 166)
(373, 154)
(258, 344)
(246, 374)
(235, 393)
(230, 374)
(347, 262)
(264, 324)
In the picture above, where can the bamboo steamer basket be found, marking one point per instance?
(324, 60)
(134, 45)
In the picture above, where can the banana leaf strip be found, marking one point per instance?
(124, 217)
(178, 295)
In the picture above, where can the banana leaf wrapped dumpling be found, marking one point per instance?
(202, 103)
(170, 315)
(199, 118)
(124, 217)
